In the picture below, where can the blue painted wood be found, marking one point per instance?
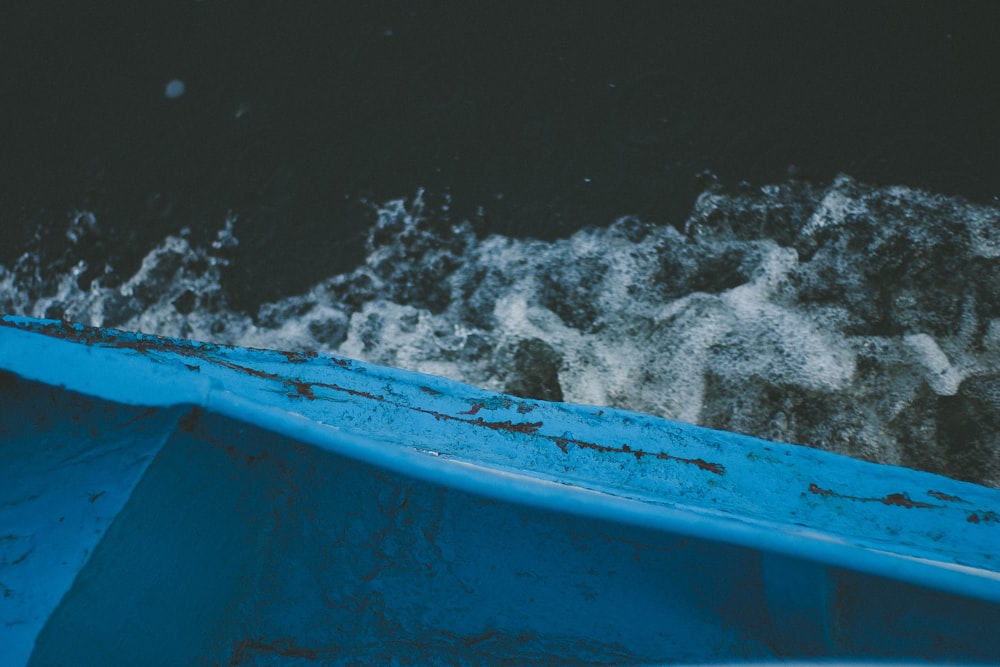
(172, 502)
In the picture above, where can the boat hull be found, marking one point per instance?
(200, 526)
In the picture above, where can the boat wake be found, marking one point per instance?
(857, 319)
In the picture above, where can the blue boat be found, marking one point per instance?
(168, 502)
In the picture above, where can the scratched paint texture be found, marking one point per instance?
(614, 451)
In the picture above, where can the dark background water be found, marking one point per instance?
(537, 118)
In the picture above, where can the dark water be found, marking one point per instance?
(633, 204)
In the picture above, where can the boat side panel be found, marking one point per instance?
(244, 547)
(241, 547)
(68, 464)
(173, 564)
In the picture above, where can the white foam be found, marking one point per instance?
(942, 377)
(984, 229)
(836, 207)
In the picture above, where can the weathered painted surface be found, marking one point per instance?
(171, 502)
